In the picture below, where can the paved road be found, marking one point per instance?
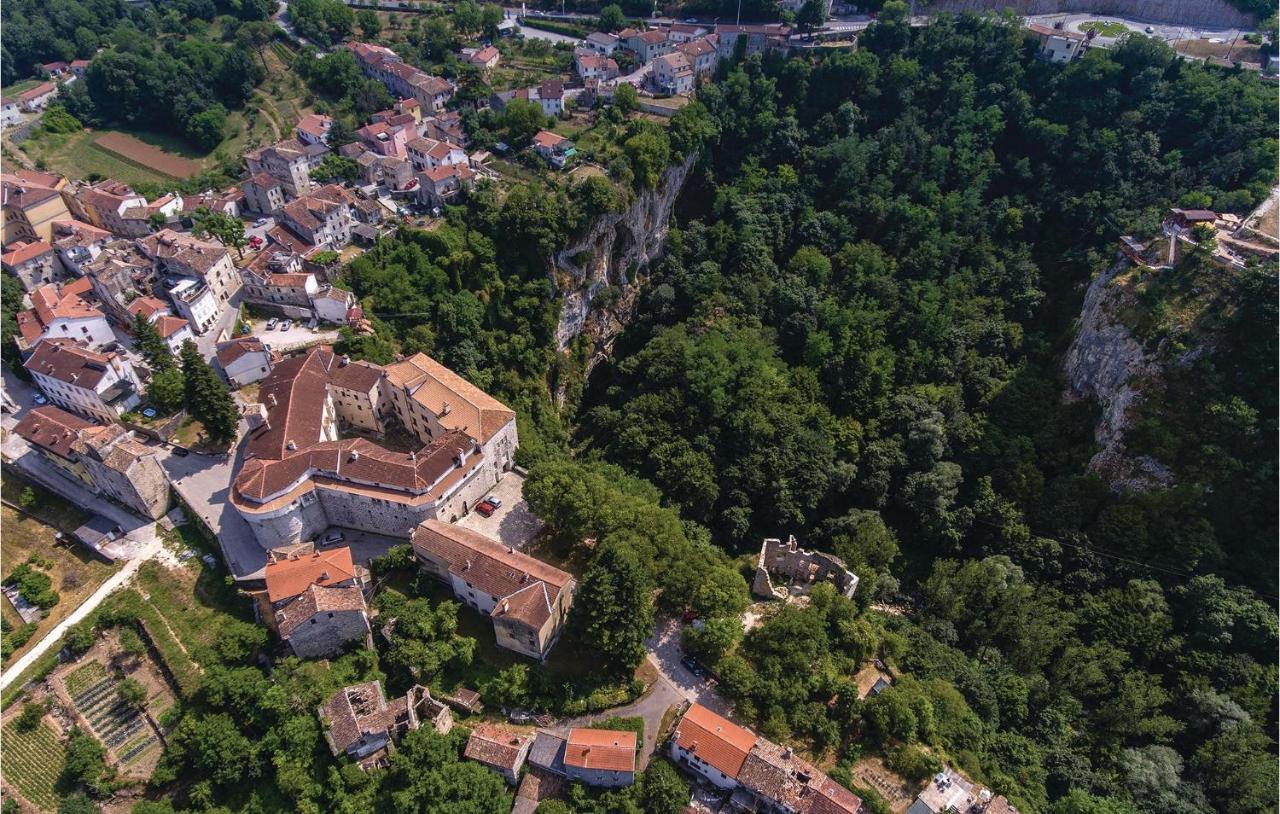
(51, 639)
(224, 326)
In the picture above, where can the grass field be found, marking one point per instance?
(75, 572)
(32, 763)
(1105, 28)
(19, 87)
(77, 155)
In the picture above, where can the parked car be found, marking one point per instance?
(497, 504)
(519, 716)
(691, 664)
(333, 537)
(39, 399)
(286, 325)
(255, 241)
(260, 222)
(271, 324)
(181, 452)
(486, 508)
(1150, 29)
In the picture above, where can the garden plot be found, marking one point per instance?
(126, 726)
(32, 762)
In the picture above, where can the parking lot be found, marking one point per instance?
(298, 335)
(513, 523)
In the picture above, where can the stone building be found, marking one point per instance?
(97, 385)
(299, 477)
(798, 571)
(500, 749)
(315, 601)
(287, 162)
(361, 723)
(34, 263)
(527, 599)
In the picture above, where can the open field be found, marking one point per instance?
(139, 152)
(76, 572)
(1203, 48)
(78, 155)
(32, 763)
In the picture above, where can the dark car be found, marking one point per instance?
(691, 664)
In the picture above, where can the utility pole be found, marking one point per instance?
(739, 12)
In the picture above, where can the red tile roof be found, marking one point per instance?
(497, 747)
(148, 307)
(20, 252)
(169, 325)
(721, 743)
(603, 749)
(231, 350)
(53, 429)
(289, 577)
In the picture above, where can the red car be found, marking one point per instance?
(486, 508)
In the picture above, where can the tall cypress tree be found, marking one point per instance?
(613, 610)
(208, 398)
(151, 345)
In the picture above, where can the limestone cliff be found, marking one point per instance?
(1107, 364)
(612, 256)
(1215, 13)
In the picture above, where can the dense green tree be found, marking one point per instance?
(613, 611)
(208, 399)
(612, 18)
(664, 791)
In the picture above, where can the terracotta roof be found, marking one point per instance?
(359, 375)
(603, 749)
(433, 385)
(168, 325)
(721, 743)
(289, 577)
(38, 91)
(527, 588)
(64, 360)
(315, 124)
(483, 55)
(316, 599)
(832, 798)
(49, 303)
(21, 196)
(545, 138)
(496, 747)
(652, 37)
(186, 250)
(294, 393)
(696, 48)
(20, 252)
(69, 233)
(148, 307)
(53, 429)
(233, 349)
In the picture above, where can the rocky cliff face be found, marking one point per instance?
(612, 257)
(1217, 13)
(1106, 364)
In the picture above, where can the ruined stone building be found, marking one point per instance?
(784, 570)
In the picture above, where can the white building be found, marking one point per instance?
(98, 385)
(196, 303)
(244, 360)
(59, 313)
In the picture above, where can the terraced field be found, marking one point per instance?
(32, 763)
(120, 726)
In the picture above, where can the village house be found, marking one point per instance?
(527, 599)
(39, 97)
(486, 59)
(702, 55)
(798, 571)
(322, 219)
(99, 385)
(673, 73)
(687, 32)
(428, 154)
(360, 723)
(555, 149)
(401, 80)
(1058, 44)
(275, 279)
(287, 161)
(263, 193)
(227, 202)
(10, 112)
(106, 459)
(592, 65)
(245, 360)
(80, 67)
(600, 757)
(173, 330)
(58, 312)
(299, 478)
(393, 171)
(500, 749)
(711, 746)
(34, 263)
(182, 254)
(442, 185)
(116, 271)
(32, 201)
(195, 301)
(549, 95)
(76, 243)
(648, 45)
(757, 38)
(602, 42)
(313, 128)
(115, 207)
(385, 139)
(314, 600)
(949, 791)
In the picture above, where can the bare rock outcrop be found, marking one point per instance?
(1106, 364)
(1213, 13)
(612, 257)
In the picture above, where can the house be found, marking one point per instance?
(276, 279)
(115, 207)
(228, 202)
(649, 45)
(800, 569)
(38, 98)
(429, 154)
(360, 723)
(244, 360)
(602, 42)
(149, 308)
(673, 73)
(76, 243)
(117, 273)
(263, 193)
(384, 138)
(600, 757)
(555, 149)
(486, 59)
(500, 749)
(442, 185)
(711, 746)
(106, 459)
(1058, 44)
(547, 752)
(80, 67)
(551, 97)
(687, 32)
(774, 779)
(527, 599)
(401, 80)
(315, 601)
(195, 302)
(10, 112)
(332, 304)
(393, 171)
(53, 70)
(313, 128)
(322, 218)
(757, 38)
(33, 262)
(287, 161)
(58, 312)
(468, 438)
(98, 385)
(175, 331)
(32, 201)
(702, 55)
(592, 65)
(184, 255)
(1187, 219)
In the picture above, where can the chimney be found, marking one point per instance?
(344, 361)
(355, 455)
(271, 399)
(291, 446)
(444, 408)
(506, 606)
(466, 566)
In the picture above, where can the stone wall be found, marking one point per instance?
(328, 635)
